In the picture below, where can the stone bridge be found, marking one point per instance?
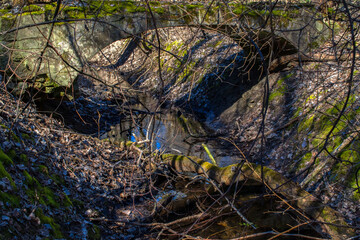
(79, 32)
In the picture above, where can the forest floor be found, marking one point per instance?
(61, 184)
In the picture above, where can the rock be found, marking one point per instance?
(241, 107)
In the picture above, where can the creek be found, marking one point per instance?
(174, 131)
(171, 131)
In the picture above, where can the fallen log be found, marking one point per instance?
(332, 221)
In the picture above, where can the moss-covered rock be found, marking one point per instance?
(317, 127)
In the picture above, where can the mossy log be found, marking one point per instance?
(310, 205)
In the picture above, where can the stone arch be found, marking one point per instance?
(75, 41)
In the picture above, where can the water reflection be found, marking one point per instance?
(171, 132)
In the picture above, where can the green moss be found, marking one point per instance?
(131, 7)
(26, 136)
(252, 12)
(283, 14)
(78, 203)
(356, 196)
(24, 158)
(336, 143)
(50, 196)
(239, 9)
(350, 155)
(186, 72)
(305, 160)
(193, 7)
(94, 232)
(12, 200)
(33, 13)
(275, 94)
(50, 7)
(99, 9)
(32, 8)
(43, 169)
(3, 11)
(37, 192)
(155, 4)
(29, 180)
(158, 10)
(174, 46)
(323, 124)
(14, 137)
(35, 196)
(217, 44)
(307, 124)
(297, 113)
(66, 201)
(281, 88)
(56, 230)
(339, 171)
(57, 179)
(354, 183)
(317, 143)
(76, 12)
(12, 154)
(5, 159)
(175, 8)
(4, 173)
(314, 45)
(7, 16)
